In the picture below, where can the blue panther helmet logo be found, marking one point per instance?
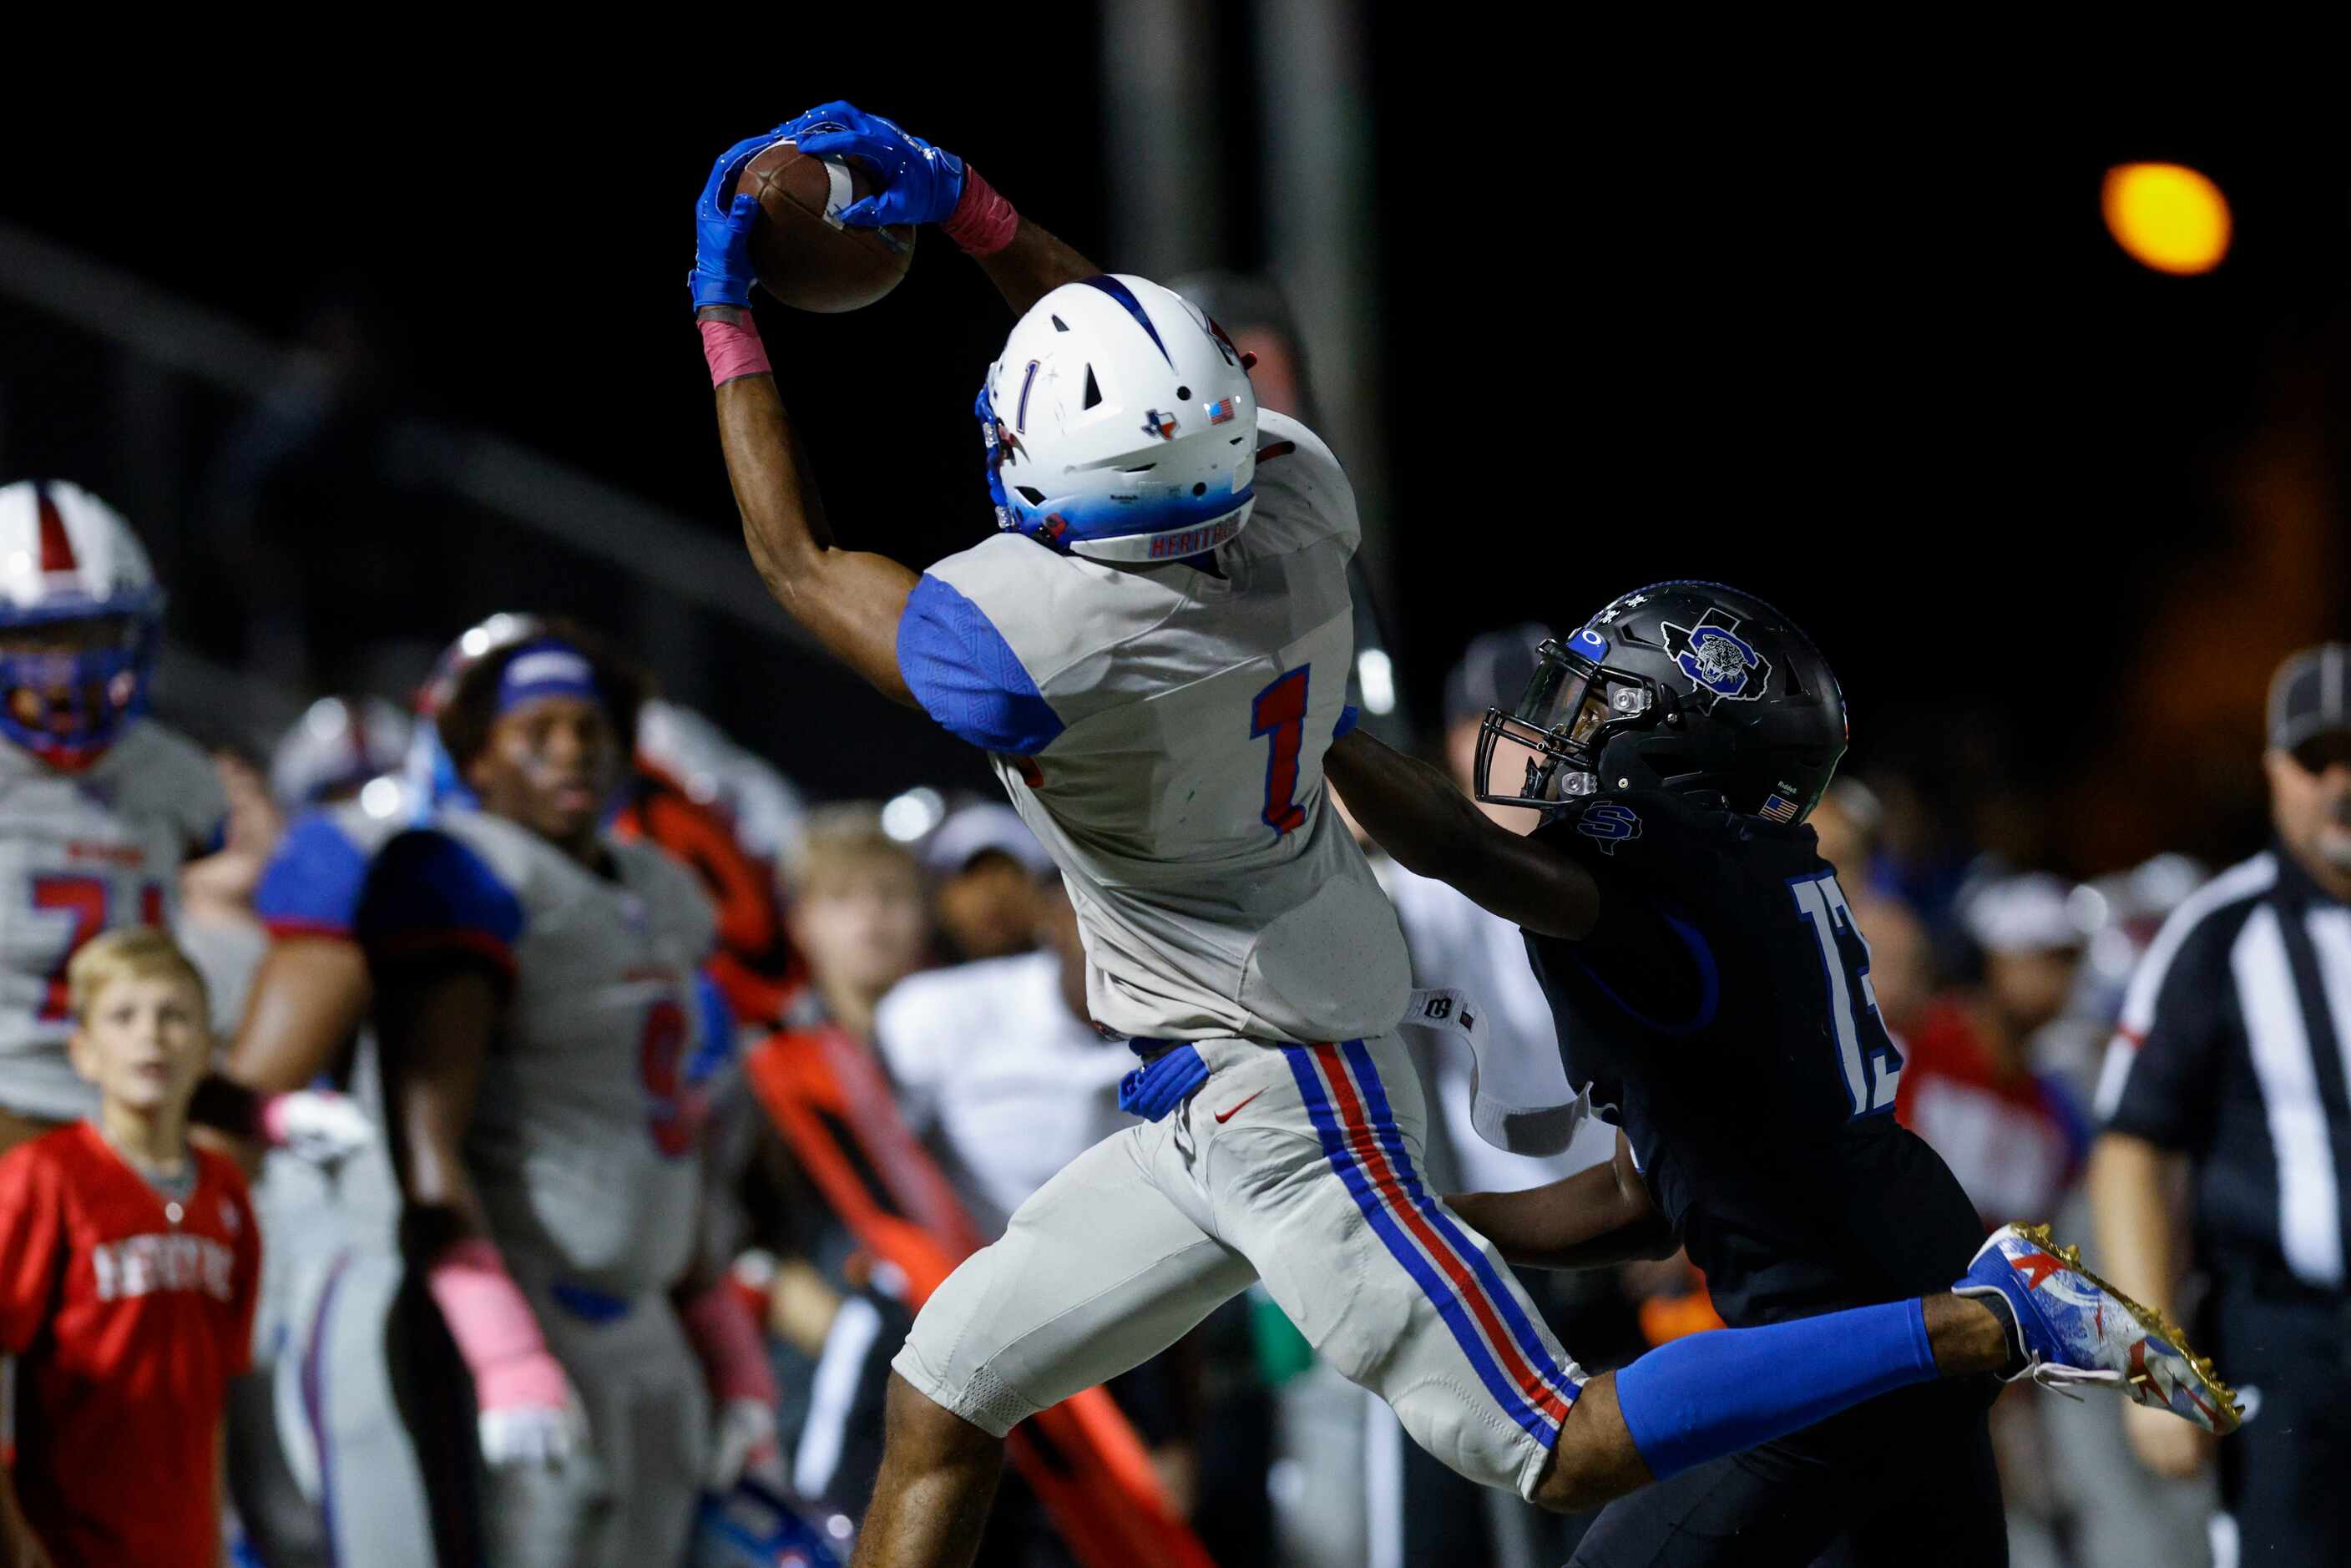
(1718, 662)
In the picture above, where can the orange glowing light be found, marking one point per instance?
(2166, 217)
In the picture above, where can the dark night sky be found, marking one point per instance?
(1880, 364)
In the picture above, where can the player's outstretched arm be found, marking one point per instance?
(1431, 828)
(1600, 1216)
(1031, 265)
(851, 600)
(926, 185)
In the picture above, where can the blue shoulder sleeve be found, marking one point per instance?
(428, 895)
(966, 676)
(311, 886)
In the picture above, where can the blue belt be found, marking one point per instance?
(590, 1306)
(1160, 1084)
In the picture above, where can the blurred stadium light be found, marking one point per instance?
(2166, 217)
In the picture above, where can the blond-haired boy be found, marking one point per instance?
(129, 1265)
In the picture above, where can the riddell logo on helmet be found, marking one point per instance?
(1192, 541)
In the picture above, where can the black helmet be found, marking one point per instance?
(1689, 686)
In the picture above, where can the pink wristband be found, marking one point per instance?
(982, 222)
(494, 1328)
(727, 1339)
(733, 349)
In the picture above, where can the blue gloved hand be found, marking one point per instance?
(921, 185)
(722, 271)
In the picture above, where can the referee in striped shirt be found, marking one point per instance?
(2226, 1083)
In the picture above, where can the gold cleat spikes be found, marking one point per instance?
(2220, 1400)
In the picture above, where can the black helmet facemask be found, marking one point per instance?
(1692, 687)
(1574, 704)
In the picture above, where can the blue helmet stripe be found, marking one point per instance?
(1020, 421)
(1126, 295)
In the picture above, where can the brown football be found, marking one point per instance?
(806, 259)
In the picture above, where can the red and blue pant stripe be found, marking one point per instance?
(1349, 1108)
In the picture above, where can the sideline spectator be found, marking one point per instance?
(857, 912)
(130, 1263)
(2014, 1136)
(986, 865)
(1850, 823)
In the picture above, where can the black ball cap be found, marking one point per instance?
(2310, 695)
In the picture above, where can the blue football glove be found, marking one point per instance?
(921, 185)
(722, 272)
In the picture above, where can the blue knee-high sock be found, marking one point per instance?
(1694, 1399)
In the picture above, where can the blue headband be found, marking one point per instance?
(547, 667)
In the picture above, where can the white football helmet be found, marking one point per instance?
(80, 616)
(1119, 424)
(337, 747)
(430, 774)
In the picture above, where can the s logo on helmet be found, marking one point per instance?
(1609, 824)
(1720, 662)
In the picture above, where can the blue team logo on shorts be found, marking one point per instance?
(1611, 824)
(1718, 662)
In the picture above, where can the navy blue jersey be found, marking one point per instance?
(1722, 1010)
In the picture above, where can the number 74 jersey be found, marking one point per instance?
(1161, 729)
(82, 853)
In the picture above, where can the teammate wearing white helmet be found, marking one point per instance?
(99, 804)
(339, 746)
(1153, 651)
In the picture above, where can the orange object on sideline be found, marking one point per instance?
(1665, 1318)
(756, 963)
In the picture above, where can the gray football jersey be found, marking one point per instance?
(1161, 729)
(80, 853)
(584, 1137)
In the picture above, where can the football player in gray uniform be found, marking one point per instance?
(1153, 649)
(539, 995)
(99, 804)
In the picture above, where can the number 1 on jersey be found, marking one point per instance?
(1873, 1068)
(1280, 711)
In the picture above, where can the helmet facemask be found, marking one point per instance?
(68, 688)
(1571, 708)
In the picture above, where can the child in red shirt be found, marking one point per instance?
(129, 1264)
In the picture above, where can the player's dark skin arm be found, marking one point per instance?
(1033, 266)
(435, 1027)
(307, 999)
(1596, 1216)
(850, 600)
(1433, 829)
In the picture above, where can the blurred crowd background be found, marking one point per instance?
(364, 368)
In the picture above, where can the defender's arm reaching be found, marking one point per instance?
(1599, 1216)
(1432, 829)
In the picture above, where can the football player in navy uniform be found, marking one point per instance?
(1710, 983)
